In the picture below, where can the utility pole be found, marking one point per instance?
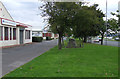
(106, 22)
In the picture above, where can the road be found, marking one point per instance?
(111, 43)
(14, 57)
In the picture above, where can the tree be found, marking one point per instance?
(102, 28)
(64, 18)
(101, 24)
(59, 17)
(117, 15)
(113, 24)
(87, 22)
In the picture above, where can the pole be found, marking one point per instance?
(106, 22)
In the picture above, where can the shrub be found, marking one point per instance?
(37, 39)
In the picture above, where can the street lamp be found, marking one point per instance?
(106, 22)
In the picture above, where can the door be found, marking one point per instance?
(21, 36)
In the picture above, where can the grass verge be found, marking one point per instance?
(91, 61)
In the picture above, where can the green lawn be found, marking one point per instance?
(91, 61)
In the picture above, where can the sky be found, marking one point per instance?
(26, 11)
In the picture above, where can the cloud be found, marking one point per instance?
(112, 6)
(26, 11)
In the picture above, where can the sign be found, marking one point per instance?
(8, 22)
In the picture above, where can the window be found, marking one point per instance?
(44, 34)
(1, 33)
(6, 33)
(10, 33)
(27, 34)
(14, 33)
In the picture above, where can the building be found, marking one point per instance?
(45, 32)
(12, 32)
(36, 33)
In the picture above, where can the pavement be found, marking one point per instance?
(110, 43)
(14, 57)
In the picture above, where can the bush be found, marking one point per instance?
(48, 38)
(37, 39)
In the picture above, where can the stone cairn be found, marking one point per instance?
(71, 44)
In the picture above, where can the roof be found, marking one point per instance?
(6, 10)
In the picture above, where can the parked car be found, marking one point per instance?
(109, 37)
(100, 38)
(117, 39)
(96, 40)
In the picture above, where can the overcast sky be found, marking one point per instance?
(26, 11)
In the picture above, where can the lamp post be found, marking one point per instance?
(106, 22)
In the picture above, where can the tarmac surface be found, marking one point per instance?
(14, 57)
(110, 43)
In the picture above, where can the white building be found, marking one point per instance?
(45, 32)
(12, 32)
(36, 33)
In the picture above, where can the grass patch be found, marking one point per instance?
(91, 61)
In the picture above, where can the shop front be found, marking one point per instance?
(13, 33)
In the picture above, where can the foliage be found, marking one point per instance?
(73, 19)
(113, 24)
(88, 22)
(117, 15)
(60, 17)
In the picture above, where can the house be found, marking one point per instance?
(12, 32)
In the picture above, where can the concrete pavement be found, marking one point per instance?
(14, 57)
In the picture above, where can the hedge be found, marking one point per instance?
(48, 38)
(37, 39)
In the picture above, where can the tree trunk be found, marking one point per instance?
(85, 39)
(80, 42)
(62, 42)
(59, 42)
(102, 38)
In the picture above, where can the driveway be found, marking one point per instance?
(14, 57)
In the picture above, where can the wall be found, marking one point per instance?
(28, 40)
(4, 13)
(8, 42)
(17, 41)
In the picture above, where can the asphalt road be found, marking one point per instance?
(14, 57)
(110, 43)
